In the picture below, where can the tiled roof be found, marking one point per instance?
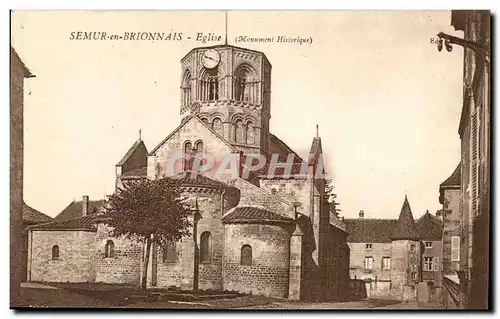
(87, 223)
(190, 178)
(454, 179)
(140, 172)
(74, 209)
(363, 230)
(252, 214)
(405, 227)
(32, 215)
(131, 151)
(277, 146)
(297, 171)
(430, 227)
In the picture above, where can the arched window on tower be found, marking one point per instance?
(209, 85)
(217, 126)
(187, 156)
(246, 255)
(245, 87)
(239, 132)
(250, 133)
(205, 247)
(186, 88)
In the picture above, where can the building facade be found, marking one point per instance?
(393, 255)
(449, 197)
(474, 131)
(266, 231)
(18, 72)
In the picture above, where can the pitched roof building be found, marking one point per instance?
(371, 244)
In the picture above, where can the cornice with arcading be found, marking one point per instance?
(202, 189)
(246, 55)
(235, 103)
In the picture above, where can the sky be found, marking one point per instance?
(386, 101)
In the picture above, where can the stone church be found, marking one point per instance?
(270, 231)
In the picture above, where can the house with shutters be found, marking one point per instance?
(391, 253)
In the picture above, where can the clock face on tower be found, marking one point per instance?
(210, 58)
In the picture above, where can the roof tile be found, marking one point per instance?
(252, 214)
(74, 209)
(32, 215)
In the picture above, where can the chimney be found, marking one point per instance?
(85, 205)
(361, 214)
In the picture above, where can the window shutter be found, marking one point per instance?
(436, 263)
(474, 161)
(455, 248)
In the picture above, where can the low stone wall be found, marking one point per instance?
(378, 289)
(76, 256)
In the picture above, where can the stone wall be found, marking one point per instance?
(404, 262)
(170, 273)
(290, 190)
(378, 289)
(268, 273)
(124, 267)
(357, 261)
(76, 256)
(181, 273)
(194, 130)
(252, 195)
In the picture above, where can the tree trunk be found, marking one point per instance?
(146, 264)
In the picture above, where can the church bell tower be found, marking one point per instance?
(229, 89)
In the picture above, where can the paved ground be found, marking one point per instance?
(291, 305)
(42, 296)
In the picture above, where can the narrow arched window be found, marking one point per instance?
(240, 132)
(169, 253)
(245, 86)
(187, 156)
(250, 135)
(186, 89)
(199, 147)
(55, 252)
(246, 255)
(217, 125)
(109, 249)
(209, 85)
(205, 247)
